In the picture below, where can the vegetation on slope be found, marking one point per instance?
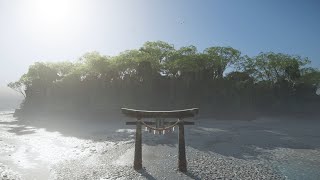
(219, 80)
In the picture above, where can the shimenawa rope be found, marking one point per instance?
(160, 129)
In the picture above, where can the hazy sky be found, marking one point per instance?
(53, 30)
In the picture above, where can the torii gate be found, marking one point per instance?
(179, 114)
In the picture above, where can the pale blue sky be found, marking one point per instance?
(45, 30)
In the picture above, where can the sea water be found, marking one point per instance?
(293, 168)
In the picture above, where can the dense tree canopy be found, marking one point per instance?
(157, 73)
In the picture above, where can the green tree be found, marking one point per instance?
(40, 71)
(158, 53)
(310, 76)
(277, 67)
(18, 87)
(221, 58)
(62, 68)
(95, 66)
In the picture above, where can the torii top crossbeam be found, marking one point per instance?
(181, 114)
(140, 114)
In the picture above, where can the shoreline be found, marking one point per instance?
(215, 148)
(99, 115)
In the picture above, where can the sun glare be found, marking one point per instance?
(51, 12)
(52, 18)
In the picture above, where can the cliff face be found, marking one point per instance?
(220, 81)
(222, 99)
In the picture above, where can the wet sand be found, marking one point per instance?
(265, 148)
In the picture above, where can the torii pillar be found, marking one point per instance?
(180, 114)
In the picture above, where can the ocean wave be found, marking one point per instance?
(6, 112)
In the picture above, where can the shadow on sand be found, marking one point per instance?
(145, 174)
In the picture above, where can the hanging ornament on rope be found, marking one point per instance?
(161, 127)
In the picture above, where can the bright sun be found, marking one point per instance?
(51, 12)
(52, 18)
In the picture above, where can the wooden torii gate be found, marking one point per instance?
(179, 114)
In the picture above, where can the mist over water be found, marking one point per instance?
(9, 104)
(9, 99)
(51, 147)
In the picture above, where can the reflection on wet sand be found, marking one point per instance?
(62, 149)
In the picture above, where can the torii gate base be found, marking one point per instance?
(180, 114)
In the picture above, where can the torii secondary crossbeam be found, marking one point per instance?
(179, 114)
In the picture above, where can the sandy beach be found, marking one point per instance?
(265, 148)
